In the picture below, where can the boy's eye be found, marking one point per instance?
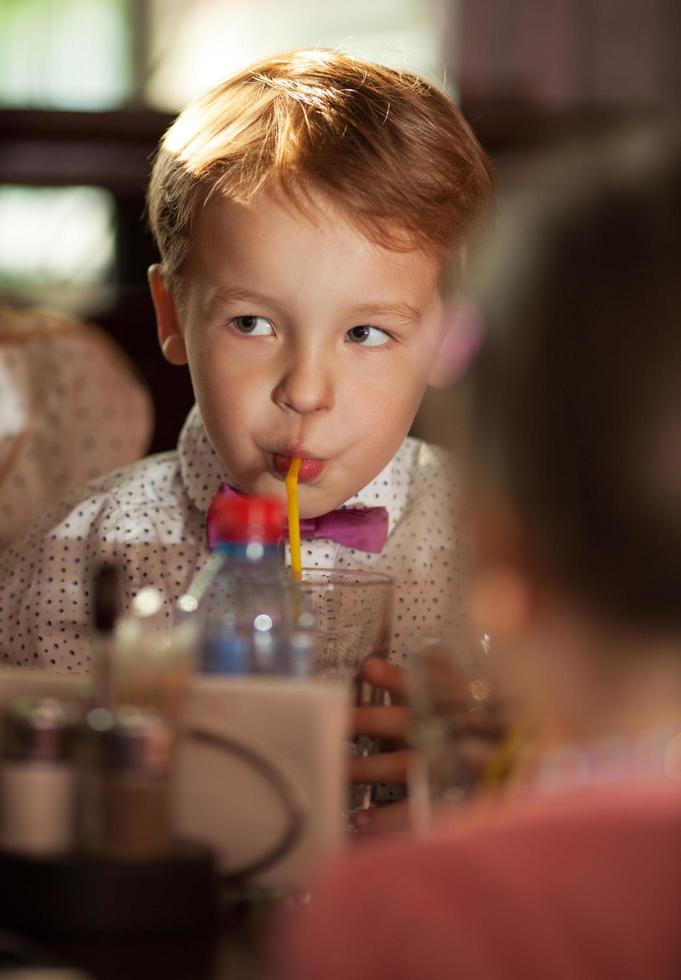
(254, 326)
(368, 336)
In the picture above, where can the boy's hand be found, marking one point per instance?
(384, 722)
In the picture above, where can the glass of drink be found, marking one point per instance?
(354, 614)
(458, 725)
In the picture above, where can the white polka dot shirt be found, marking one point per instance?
(149, 518)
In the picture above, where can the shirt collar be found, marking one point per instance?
(201, 467)
(203, 472)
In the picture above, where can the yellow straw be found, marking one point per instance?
(291, 482)
(506, 761)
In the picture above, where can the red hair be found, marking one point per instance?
(392, 151)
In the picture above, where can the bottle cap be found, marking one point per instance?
(38, 730)
(241, 520)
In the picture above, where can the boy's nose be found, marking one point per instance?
(306, 386)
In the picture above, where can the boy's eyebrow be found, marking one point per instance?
(401, 311)
(231, 294)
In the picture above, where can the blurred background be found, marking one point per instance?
(87, 87)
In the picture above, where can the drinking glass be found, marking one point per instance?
(458, 725)
(354, 613)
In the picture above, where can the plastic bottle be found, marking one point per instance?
(252, 615)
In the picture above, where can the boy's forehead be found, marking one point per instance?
(275, 221)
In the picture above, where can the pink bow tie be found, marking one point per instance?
(362, 528)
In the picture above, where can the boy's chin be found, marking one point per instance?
(315, 503)
(311, 501)
(314, 508)
(314, 499)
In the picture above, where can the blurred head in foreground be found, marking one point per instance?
(569, 358)
(571, 410)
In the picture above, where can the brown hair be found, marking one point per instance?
(392, 151)
(573, 403)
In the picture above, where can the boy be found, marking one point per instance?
(302, 210)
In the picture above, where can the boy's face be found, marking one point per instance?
(303, 338)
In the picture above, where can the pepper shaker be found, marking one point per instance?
(125, 798)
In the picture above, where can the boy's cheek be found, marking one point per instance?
(396, 379)
(221, 375)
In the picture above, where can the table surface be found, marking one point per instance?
(238, 949)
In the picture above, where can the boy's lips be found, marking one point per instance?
(310, 469)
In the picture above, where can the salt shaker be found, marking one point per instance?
(37, 776)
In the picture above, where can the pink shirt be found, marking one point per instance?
(578, 886)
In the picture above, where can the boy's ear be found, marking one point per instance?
(461, 335)
(167, 321)
(440, 375)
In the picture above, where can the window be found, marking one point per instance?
(104, 54)
(56, 243)
(203, 41)
(65, 54)
(97, 60)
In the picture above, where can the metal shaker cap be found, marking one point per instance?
(131, 739)
(38, 729)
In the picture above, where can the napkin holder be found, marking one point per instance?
(260, 772)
